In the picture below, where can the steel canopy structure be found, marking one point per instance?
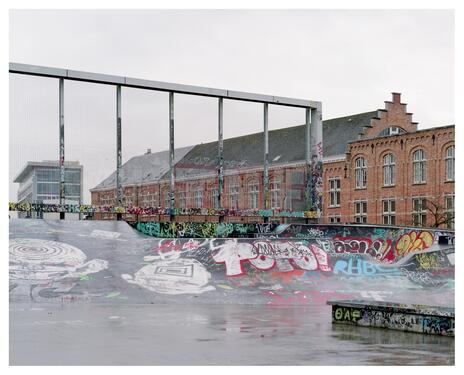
(313, 151)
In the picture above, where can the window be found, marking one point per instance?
(214, 198)
(72, 190)
(360, 173)
(389, 170)
(334, 219)
(198, 197)
(449, 211)
(419, 167)
(360, 211)
(107, 200)
(127, 200)
(419, 211)
(233, 195)
(449, 163)
(253, 191)
(334, 192)
(167, 199)
(148, 200)
(275, 193)
(392, 130)
(389, 210)
(182, 199)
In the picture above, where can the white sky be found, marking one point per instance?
(349, 60)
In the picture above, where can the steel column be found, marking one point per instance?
(171, 152)
(266, 160)
(220, 153)
(118, 150)
(316, 159)
(308, 158)
(61, 115)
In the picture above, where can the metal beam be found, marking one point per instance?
(118, 150)
(220, 152)
(61, 142)
(76, 75)
(171, 151)
(266, 159)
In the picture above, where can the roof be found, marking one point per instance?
(46, 163)
(143, 168)
(286, 145)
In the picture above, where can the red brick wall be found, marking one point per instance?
(434, 142)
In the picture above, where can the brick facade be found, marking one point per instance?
(391, 137)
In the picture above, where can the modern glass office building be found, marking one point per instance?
(39, 182)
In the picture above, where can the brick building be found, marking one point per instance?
(377, 168)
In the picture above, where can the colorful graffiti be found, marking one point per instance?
(264, 255)
(412, 241)
(153, 211)
(409, 318)
(361, 267)
(378, 248)
(201, 230)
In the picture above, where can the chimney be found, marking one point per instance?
(148, 151)
(396, 97)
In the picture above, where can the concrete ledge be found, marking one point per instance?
(434, 320)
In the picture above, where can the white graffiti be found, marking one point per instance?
(264, 255)
(170, 274)
(36, 260)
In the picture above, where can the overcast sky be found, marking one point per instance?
(349, 60)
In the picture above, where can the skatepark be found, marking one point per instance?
(106, 292)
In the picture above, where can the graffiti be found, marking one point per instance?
(201, 230)
(314, 232)
(346, 314)
(378, 248)
(413, 241)
(154, 211)
(362, 268)
(39, 260)
(428, 261)
(410, 318)
(423, 278)
(264, 255)
(48, 269)
(438, 325)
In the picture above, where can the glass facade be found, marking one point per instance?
(47, 182)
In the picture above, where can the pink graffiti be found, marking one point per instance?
(179, 245)
(378, 248)
(264, 255)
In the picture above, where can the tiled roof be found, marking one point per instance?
(143, 168)
(285, 146)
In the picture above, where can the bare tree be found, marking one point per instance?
(439, 213)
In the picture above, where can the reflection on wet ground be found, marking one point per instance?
(92, 334)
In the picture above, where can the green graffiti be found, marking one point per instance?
(113, 294)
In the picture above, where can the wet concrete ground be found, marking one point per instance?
(107, 334)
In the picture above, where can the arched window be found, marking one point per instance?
(389, 170)
(419, 164)
(360, 173)
(449, 163)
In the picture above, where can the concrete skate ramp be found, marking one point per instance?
(110, 262)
